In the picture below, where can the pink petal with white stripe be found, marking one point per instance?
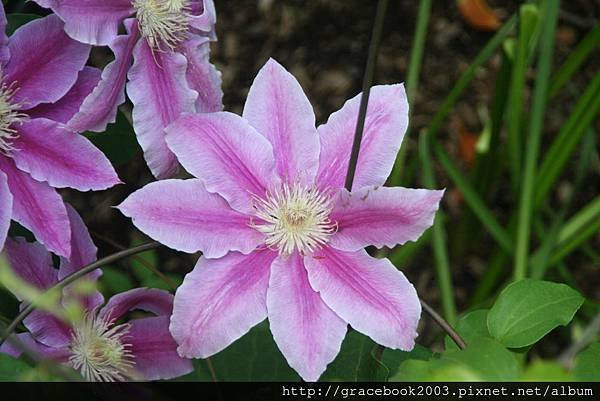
(193, 220)
(91, 21)
(44, 62)
(382, 216)
(4, 51)
(219, 301)
(385, 125)
(278, 108)
(307, 332)
(201, 75)
(64, 109)
(370, 294)
(100, 107)
(50, 152)
(39, 208)
(226, 153)
(6, 200)
(159, 92)
(154, 350)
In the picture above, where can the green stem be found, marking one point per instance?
(550, 14)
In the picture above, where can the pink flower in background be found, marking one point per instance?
(97, 347)
(169, 42)
(43, 81)
(281, 237)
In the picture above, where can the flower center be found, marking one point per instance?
(9, 116)
(294, 218)
(98, 351)
(164, 23)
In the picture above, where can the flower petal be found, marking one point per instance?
(154, 350)
(152, 300)
(370, 294)
(219, 301)
(382, 216)
(226, 153)
(307, 332)
(50, 152)
(204, 17)
(385, 125)
(159, 92)
(39, 208)
(4, 51)
(100, 107)
(32, 263)
(6, 200)
(83, 252)
(15, 345)
(91, 21)
(44, 61)
(202, 76)
(184, 216)
(278, 108)
(64, 109)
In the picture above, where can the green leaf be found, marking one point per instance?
(484, 357)
(114, 281)
(527, 310)
(254, 357)
(16, 20)
(471, 326)
(412, 370)
(12, 369)
(118, 142)
(356, 361)
(393, 358)
(545, 371)
(587, 364)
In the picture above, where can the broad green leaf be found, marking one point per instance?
(118, 142)
(412, 370)
(15, 20)
(12, 369)
(254, 357)
(470, 326)
(393, 358)
(545, 371)
(587, 364)
(356, 361)
(527, 310)
(484, 357)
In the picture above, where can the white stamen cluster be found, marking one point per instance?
(98, 351)
(9, 116)
(294, 218)
(164, 23)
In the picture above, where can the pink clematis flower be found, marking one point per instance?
(43, 81)
(169, 41)
(98, 347)
(281, 237)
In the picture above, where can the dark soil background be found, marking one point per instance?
(324, 44)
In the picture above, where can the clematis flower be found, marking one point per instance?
(281, 237)
(97, 346)
(169, 41)
(43, 81)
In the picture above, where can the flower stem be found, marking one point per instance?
(367, 82)
(75, 276)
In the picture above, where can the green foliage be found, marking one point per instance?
(471, 326)
(118, 142)
(587, 364)
(529, 309)
(12, 369)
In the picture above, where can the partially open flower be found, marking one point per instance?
(281, 238)
(99, 346)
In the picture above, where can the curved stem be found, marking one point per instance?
(73, 277)
(444, 325)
